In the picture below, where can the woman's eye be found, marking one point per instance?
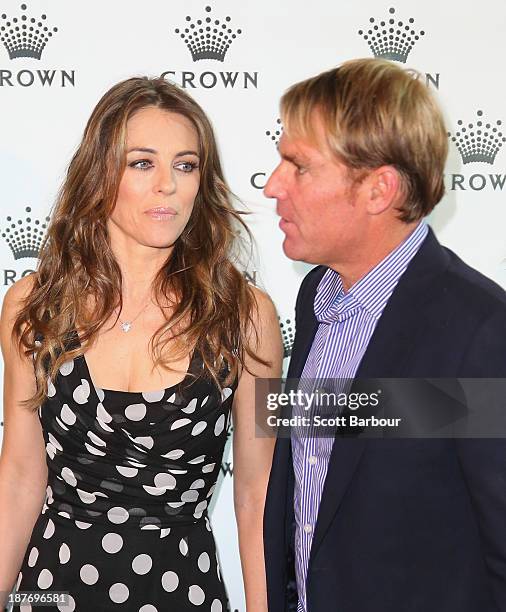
(142, 164)
(187, 166)
(300, 169)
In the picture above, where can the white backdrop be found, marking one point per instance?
(45, 102)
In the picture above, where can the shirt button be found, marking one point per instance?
(312, 460)
(308, 528)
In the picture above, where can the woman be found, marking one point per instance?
(136, 337)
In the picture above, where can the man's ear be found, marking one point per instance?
(382, 189)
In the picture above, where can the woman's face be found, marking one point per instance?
(160, 182)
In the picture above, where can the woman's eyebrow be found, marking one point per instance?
(187, 152)
(142, 150)
(154, 151)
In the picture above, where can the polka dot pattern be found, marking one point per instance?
(142, 564)
(67, 415)
(45, 579)
(66, 368)
(112, 543)
(70, 606)
(117, 515)
(170, 581)
(68, 476)
(196, 595)
(64, 554)
(82, 392)
(32, 559)
(199, 428)
(89, 574)
(153, 396)
(119, 593)
(204, 562)
(219, 425)
(48, 532)
(127, 470)
(174, 454)
(183, 547)
(216, 606)
(135, 412)
(165, 480)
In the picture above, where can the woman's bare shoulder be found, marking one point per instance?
(18, 291)
(266, 310)
(12, 303)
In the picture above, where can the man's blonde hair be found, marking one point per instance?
(375, 113)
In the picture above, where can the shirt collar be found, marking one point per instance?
(372, 291)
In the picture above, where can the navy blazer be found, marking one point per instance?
(405, 525)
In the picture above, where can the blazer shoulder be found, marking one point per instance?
(480, 307)
(473, 290)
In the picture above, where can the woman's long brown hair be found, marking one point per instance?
(213, 304)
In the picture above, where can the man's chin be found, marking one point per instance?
(296, 252)
(293, 251)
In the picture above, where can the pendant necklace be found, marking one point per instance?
(126, 326)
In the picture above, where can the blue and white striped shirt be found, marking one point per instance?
(346, 324)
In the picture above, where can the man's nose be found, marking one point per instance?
(274, 188)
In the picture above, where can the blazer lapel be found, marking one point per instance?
(387, 356)
(306, 325)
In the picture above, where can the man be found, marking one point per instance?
(383, 525)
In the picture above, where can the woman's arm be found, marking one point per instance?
(23, 471)
(253, 455)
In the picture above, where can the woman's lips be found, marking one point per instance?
(161, 213)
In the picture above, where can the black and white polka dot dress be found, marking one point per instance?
(124, 525)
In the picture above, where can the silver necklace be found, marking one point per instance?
(126, 326)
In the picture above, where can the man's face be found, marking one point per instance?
(320, 210)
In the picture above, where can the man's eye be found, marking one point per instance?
(141, 164)
(301, 169)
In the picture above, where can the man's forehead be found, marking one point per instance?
(302, 147)
(308, 127)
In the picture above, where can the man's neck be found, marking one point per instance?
(373, 252)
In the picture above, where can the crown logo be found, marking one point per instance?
(478, 142)
(288, 335)
(23, 36)
(25, 238)
(275, 134)
(207, 38)
(390, 39)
